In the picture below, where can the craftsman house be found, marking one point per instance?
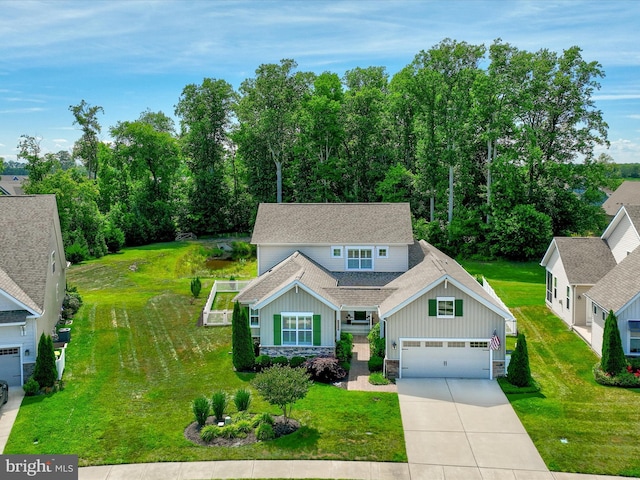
(32, 280)
(586, 277)
(328, 268)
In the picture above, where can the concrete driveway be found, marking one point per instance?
(465, 429)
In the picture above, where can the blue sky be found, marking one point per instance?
(129, 56)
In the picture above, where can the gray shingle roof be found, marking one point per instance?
(628, 193)
(333, 223)
(586, 259)
(620, 285)
(634, 214)
(27, 223)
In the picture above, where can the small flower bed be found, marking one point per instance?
(628, 378)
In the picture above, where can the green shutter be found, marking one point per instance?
(433, 307)
(248, 315)
(277, 329)
(458, 307)
(317, 330)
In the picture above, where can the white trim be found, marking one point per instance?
(446, 299)
(552, 246)
(359, 248)
(19, 303)
(334, 248)
(286, 288)
(297, 316)
(494, 308)
(431, 339)
(21, 349)
(382, 247)
(615, 221)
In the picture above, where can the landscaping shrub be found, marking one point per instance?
(196, 287)
(113, 237)
(613, 360)
(624, 379)
(242, 343)
(376, 344)
(243, 415)
(346, 366)
(282, 386)
(519, 372)
(378, 379)
(45, 372)
(284, 361)
(31, 387)
(375, 364)
(325, 369)
(242, 399)
(265, 432)
(201, 408)
(219, 404)
(265, 417)
(295, 362)
(243, 426)
(263, 362)
(76, 252)
(230, 431)
(71, 303)
(210, 432)
(344, 347)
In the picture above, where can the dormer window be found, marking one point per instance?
(383, 252)
(336, 252)
(359, 258)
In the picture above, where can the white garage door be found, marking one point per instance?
(444, 358)
(10, 365)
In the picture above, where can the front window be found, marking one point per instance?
(297, 328)
(254, 318)
(446, 307)
(359, 258)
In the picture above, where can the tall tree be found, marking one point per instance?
(268, 112)
(206, 118)
(86, 147)
(242, 344)
(37, 166)
(613, 360)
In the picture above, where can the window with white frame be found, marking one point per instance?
(336, 252)
(359, 258)
(254, 318)
(568, 298)
(297, 329)
(383, 252)
(634, 336)
(446, 307)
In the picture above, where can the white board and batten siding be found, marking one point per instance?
(623, 239)
(270, 255)
(14, 342)
(558, 301)
(299, 301)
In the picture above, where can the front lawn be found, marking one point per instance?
(576, 424)
(137, 359)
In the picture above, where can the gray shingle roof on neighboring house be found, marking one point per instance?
(12, 184)
(329, 223)
(634, 215)
(620, 285)
(586, 259)
(628, 193)
(27, 223)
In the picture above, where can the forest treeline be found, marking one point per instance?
(492, 147)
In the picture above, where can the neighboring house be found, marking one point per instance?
(579, 270)
(32, 280)
(12, 184)
(628, 193)
(328, 268)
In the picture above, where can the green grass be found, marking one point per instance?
(223, 301)
(137, 359)
(601, 424)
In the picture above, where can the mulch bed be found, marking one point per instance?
(280, 428)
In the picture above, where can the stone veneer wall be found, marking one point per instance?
(392, 368)
(297, 351)
(499, 369)
(27, 370)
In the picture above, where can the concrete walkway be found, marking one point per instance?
(359, 373)
(8, 414)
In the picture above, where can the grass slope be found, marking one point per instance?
(600, 424)
(137, 360)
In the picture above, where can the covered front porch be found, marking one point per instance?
(358, 321)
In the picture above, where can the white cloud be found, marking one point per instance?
(22, 110)
(622, 151)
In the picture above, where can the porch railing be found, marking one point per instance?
(220, 317)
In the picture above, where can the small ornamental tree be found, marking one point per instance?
(282, 386)
(613, 360)
(45, 372)
(196, 286)
(518, 372)
(242, 343)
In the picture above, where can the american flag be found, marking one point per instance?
(495, 341)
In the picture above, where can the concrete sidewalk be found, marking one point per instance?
(8, 413)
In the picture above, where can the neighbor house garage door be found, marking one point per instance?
(10, 365)
(445, 358)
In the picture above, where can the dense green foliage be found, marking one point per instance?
(519, 371)
(45, 372)
(196, 287)
(242, 343)
(376, 343)
(468, 135)
(613, 360)
(201, 408)
(282, 386)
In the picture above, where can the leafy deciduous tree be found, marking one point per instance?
(282, 386)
